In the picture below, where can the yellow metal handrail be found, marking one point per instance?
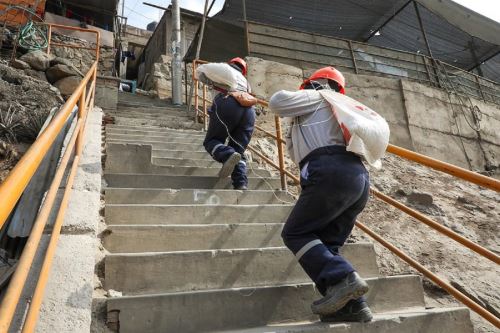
(450, 169)
(453, 170)
(14, 185)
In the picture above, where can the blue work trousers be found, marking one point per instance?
(335, 189)
(230, 122)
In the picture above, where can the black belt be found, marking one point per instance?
(326, 150)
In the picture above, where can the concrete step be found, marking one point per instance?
(164, 238)
(192, 162)
(195, 214)
(153, 110)
(201, 155)
(128, 138)
(200, 197)
(136, 158)
(166, 145)
(148, 129)
(216, 310)
(157, 116)
(174, 123)
(145, 130)
(443, 320)
(147, 273)
(133, 180)
(151, 132)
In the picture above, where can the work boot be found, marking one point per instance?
(241, 187)
(228, 166)
(337, 296)
(353, 311)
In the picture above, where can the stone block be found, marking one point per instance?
(68, 85)
(58, 72)
(38, 60)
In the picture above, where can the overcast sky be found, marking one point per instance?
(140, 15)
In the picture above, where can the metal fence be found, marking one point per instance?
(310, 51)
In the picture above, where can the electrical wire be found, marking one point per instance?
(31, 36)
(243, 149)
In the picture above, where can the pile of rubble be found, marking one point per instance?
(58, 71)
(25, 101)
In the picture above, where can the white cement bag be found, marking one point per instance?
(220, 74)
(365, 131)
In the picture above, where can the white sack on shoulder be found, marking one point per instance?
(219, 73)
(366, 132)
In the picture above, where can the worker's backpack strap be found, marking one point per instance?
(243, 98)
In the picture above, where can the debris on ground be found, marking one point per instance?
(9, 156)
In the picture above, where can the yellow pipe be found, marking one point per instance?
(433, 277)
(450, 169)
(36, 301)
(16, 285)
(17, 180)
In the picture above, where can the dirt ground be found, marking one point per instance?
(469, 210)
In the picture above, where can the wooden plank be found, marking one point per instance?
(304, 64)
(294, 45)
(300, 55)
(297, 35)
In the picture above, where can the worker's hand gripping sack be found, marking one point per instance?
(366, 133)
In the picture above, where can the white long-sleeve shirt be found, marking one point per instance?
(313, 125)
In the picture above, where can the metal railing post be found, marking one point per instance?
(281, 156)
(81, 116)
(205, 114)
(196, 97)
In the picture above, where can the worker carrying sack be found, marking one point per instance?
(218, 74)
(366, 133)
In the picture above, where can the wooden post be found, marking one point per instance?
(205, 114)
(353, 58)
(480, 89)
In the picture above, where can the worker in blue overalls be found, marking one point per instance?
(335, 189)
(235, 123)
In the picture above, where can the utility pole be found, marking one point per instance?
(122, 19)
(198, 48)
(176, 51)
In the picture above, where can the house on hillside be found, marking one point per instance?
(154, 69)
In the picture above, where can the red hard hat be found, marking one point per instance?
(241, 63)
(329, 73)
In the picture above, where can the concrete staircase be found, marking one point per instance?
(189, 254)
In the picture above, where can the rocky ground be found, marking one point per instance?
(467, 209)
(25, 103)
(34, 84)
